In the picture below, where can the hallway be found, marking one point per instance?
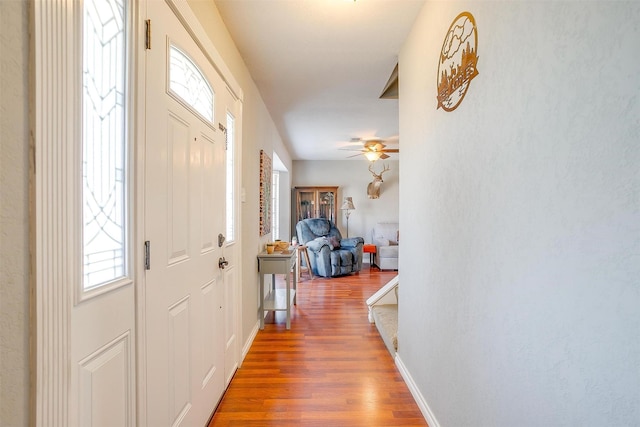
(330, 369)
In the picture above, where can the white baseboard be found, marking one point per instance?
(415, 392)
(249, 342)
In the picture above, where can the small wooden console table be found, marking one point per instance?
(278, 299)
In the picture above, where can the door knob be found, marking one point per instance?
(222, 263)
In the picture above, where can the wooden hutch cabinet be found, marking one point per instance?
(315, 202)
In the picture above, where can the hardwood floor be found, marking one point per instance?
(330, 369)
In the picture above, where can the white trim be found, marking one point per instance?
(382, 295)
(138, 161)
(247, 345)
(56, 82)
(427, 413)
(85, 295)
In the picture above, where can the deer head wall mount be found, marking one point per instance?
(373, 189)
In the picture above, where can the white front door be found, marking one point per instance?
(184, 215)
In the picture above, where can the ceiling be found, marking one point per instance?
(321, 65)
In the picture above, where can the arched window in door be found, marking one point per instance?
(189, 86)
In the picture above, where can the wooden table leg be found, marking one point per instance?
(308, 261)
(302, 251)
(261, 301)
(288, 296)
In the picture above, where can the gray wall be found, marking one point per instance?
(521, 283)
(352, 178)
(14, 215)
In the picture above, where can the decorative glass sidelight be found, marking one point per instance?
(104, 162)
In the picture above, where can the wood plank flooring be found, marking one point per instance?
(330, 369)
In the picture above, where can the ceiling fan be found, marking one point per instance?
(372, 149)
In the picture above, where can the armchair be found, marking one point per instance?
(330, 255)
(385, 236)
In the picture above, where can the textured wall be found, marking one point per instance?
(521, 285)
(14, 231)
(352, 176)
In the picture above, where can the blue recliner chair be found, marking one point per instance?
(330, 255)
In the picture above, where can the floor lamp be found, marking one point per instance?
(347, 206)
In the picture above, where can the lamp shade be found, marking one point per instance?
(372, 156)
(348, 203)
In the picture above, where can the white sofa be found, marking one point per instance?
(385, 236)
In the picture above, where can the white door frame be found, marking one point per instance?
(52, 207)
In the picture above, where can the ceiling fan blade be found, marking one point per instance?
(384, 156)
(355, 155)
(391, 150)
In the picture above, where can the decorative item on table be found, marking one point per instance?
(270, 248)
(294, 241)
(281, 246)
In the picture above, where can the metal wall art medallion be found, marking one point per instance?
(458, 60)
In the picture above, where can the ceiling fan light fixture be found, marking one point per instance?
(372, 156)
